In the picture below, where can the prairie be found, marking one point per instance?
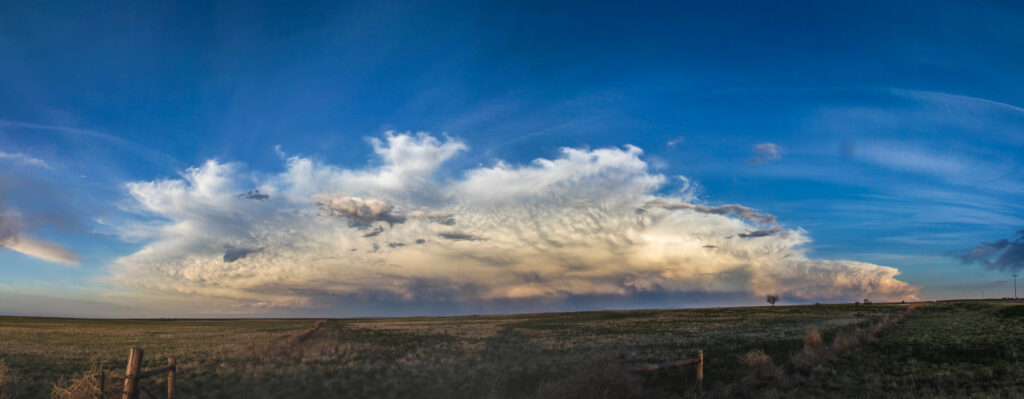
(958, 349)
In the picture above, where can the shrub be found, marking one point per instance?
(813, 341)
(6, 381)
(761, 371)
(598, 379)
(813, 352)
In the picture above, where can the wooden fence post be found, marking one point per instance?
(131, 390)
(170, 377)
(700, 369)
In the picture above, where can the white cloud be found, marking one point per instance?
(24, 159)
(47, 251)
(765, 152)
(12, 238)
(577, 226)
(949, 165)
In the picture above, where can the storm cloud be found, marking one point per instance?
(1002, 255)
(254, 195)
(737, 210)
(584, 224)
(459, 236)
(761, 233)
(232, 253)
(361, 212)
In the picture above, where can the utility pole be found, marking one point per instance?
(1015, 286)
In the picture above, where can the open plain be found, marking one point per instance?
(955, 349)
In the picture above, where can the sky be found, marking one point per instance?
(219, 159)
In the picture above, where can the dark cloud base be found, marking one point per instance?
(372, 306)
(1002, 255)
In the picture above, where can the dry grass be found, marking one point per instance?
(506, 356)
(7, 381)
(85, 386)
(846, 341)
(299, 338)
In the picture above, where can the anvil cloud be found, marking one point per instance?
(587, 223)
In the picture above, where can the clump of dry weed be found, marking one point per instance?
(85, 387)
(760, 370)
(813, 353)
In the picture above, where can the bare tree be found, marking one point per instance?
(772, 299)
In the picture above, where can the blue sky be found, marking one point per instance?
(890, 134)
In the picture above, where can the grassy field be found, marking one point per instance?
(957, 350)
(953, 349)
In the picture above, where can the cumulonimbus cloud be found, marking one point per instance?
(585, 224)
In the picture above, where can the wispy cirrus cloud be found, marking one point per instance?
(135, 148)
(24, 159)
(979, 137)
(570, 222)
(950, 165)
